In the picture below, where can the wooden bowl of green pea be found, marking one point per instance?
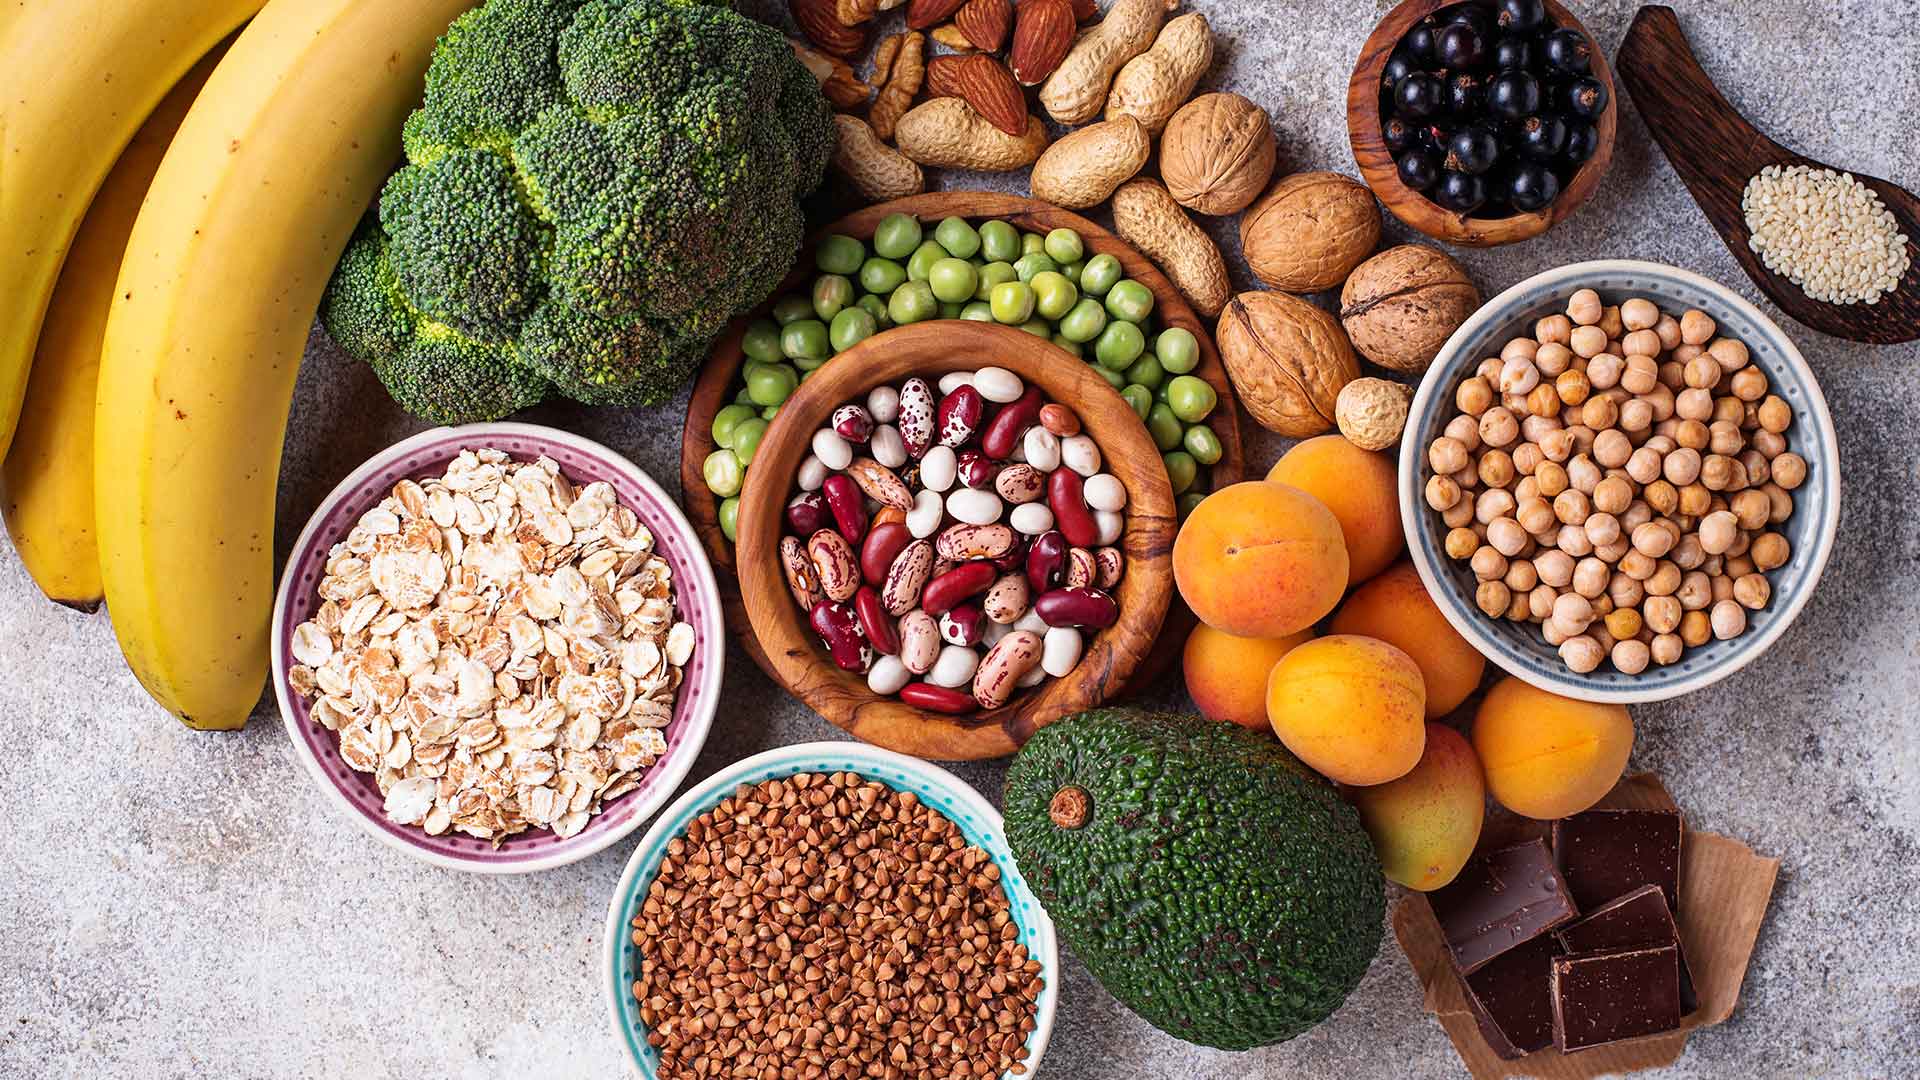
(902, 262)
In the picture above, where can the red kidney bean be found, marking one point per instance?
(962, 542)
(1067, 498)
(807, 513)
(1010, 423)
(875, 621)
(1046, 560)
(963, 625)
(1077, 607)
(849, 506)
(937, 698)
(963, 582)
(976, 469)
(853, 423)
(959, 416)
(840, 629)
(884, 544)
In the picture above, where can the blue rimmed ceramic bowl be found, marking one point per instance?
(1518, 647)
(935, 786)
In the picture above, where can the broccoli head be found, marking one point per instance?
(592, 189)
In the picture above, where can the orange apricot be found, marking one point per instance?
(1260, 560)
(1360, 487)
(1395, 608)
(1425, 824)
(1548, 756)
(1227, 675)
(1351, 707)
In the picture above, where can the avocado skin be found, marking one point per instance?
(1218, 888)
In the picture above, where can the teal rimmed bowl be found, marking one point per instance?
(935, 786)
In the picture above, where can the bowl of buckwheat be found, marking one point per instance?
(829, 909)
(498, 647)
(1620, 481)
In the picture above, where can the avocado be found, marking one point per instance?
(1210, 881)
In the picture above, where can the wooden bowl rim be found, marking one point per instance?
(1413, 207)
(799, 660)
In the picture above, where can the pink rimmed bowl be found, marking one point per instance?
(696, 601)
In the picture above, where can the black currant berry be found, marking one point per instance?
(1466, 95)
(1397, 134)
(1542, 138)
(1532, 186)
(1586, 98)
(1566, 49)
(1419, 41)
(1419, 95)
(1398, 66)
(1472, 150)
(1460, 47)
(1478, 16)
(1419, 169)
(1513, 54)
(1582, 140)
(1522, 15)
(1513, 94)
(1462, 193)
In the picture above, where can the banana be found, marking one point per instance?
(46, 482)
(257, 197)
(82, 76)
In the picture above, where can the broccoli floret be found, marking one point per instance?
(593, 189)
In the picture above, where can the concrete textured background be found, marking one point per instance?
(186, 905)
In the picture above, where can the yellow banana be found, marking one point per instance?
(46, 482)
(257, 197)
(81, 75)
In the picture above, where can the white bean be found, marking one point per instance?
(924, 519)
(887, 447)
(1031, 621)
(1042, 447)
(883, 404)
(1105, 492)
(1034, 677)
(938, 468)
(1111, 525)
(1081, 454)
(955, 666)
(1031, 519)
(833, 451)
(888, 676)
(998, 384)
(974, 506)
(1060, 651)
(954, 380)
(812, 473)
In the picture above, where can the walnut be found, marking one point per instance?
(1217, 153)
(1372, 412)
(1288, 360)
(1310, 231)
(1400, 306)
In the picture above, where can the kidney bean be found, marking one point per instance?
(907, 576)
(1077, 607)
(1011, 423)
(1110, 565)
(1046, 561)
(833, 451)
(959, 416)
(853, 423)
(1007, 600)
(1082, 570)
(875, 621)
(849, 506)
(1059, 420)
(1020, 483)
(1066, 497)
(1005, 665)
(962, 582)
(1111, 525)
(1042, 449)
(801, 579)
(963, 542)
(976, 470)
(916, 416)
(963, 625)
(937, 698)
(837, 626)
(887, 514)
(1081, 454)
(998, 384)
(919, 641)
(834, 565)
(807, 513)
(883, 544)
(879, 483)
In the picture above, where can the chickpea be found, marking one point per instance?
(1553, 360)
(1688, 554)
(1718, 531)
(1526, 460)
(1636, 514)
(1779, 503)
(1661, 495)
(1789, 470)
(1587, 341)
(1636, 416)
(1690, 433)
(1775, 414)
(1694, 500)
(1625, 592)
(1673, 375)
(1599, 413)
(1750, 509)
(1612, 448)
(1536, 515)
(1730, 409)
(1517, 610)
(1642, 343)
(1724, 438)
(1598, 631)
(1759, 470)
(1604, 370)
(1473, 396)
(1661, 444)
(1524, 348)
(1638, 565)
(1696, 327)
(1639, 313)
(1493, 598)
(1752, 591)
(1518, 375)
(1731, 354)
(1716, 472)
(1722, 587)
(1748, 384)
(1464, 430)
(1507, 537)
(1683, 353)
(1611, 322)
(1526, 488)
(1695, 630)
(1447, 455)
(1653, 539)
(1581, 654)
(1442, 492)
(1553, 330)
(1489, 370)
(1572, 506)
(1493, 503)
(1551, 633)
(1665, 580)
(1682, 467)
(1714, 566)
(1602, 529)
(1572, 387)
(1693, 403)
(1643, 465)
(1582, 437)
(1666, 649)
(1611, 553)
(1540, 601)
(1488, 564)
(1572, 539)
(1574, 610)
(1461, 544)
(1662, 613)
(1631, 657)
(1590, 577)
(1555, 568)
(1613, 494)
(1584, 307)
(1550, 476)
(1535, 428)
(1729, 619)
(1701, 373)
(1498, 427)
(1496, 468)
(1669, 330)
(1769, 444)
(1770, 551)
(1543, 400)
(1696, 590)
(1623, 623)
(1459, 514)
(1739, 566)
(1468, 478)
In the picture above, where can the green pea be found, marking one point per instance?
(1033, 244)
(831, 294)
(994, 273)
(1064, 245)
(912, 303)
(840, 254)
(768, 384)
(896, 236)
(851, 327)
(881, 276)
(1147, 372)
(807, 364)
(1039, 328)
(730, 516)
(772, 411)
(1202, 443)
(953, 280)
(1190, 502)
(1130, 300)
(950, 309)
(792, 309)
(1115, 379)
(1178, 350)
(1054, 295)
(920, 263)
(1101, 272)
(1120, 344)
(999, 241)
(762, 341)
(1028, 267)
(1074, 269)
(805, 337)
(1071, 346)
(746, 439)
(959, 238)
(1084, 322)
(1012, 302)
(744, 398)
(1165, 427)
(977, 311)
(1160, 395)
(725, 420)
(1182, 470)
(876, 307)
(1191, 397)
(1139, 397)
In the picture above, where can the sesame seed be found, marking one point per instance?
(1826, 232)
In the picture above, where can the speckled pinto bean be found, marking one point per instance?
(1020, 483)
(907, 577)
(938, 699)
(1077, 608)
(848, 505)
(1066, 497)
(916, 416)
(962, 582)
(801, 579)
(883, 545)
(1005, 664)
(1082, 571)
(1010, 424)
(880, 484)
(840, 629)
(919, 641)
(834, 565)
(963, 542)
(1111, 564)
(875, 621)
(1007, 600)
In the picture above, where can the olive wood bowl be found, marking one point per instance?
(715, 385)
(1377, 165)
(929, 350)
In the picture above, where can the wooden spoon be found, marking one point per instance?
(1716, 151)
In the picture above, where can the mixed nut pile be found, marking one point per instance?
(1617, 477)
(897, 551)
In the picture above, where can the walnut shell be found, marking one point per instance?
(1217, 153)
(1288, 360)
(1400, 306)
(1310, 231)
(1372, 412)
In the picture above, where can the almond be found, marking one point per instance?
(986, 84)
(820, 21)
(950, 36)
(1042, 33)
(922, 14)
(985, 23)
(943, 76)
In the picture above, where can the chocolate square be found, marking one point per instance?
(1499, 901)
(1600, 998)
(1635, 920)
(1606, 854)
(1511, 1000)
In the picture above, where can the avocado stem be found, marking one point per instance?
(1070, 807)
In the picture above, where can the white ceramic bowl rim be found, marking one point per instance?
(940, 789)
(697, 600)
(1435, 392)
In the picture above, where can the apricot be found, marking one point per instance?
(1227, 675)
(1260, 560)
(1351, 707)
(1425, 824)
(1548, 756)
(1360, 487)
(1395, 608)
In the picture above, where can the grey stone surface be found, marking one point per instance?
(186, 905)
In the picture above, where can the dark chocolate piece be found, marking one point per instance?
(1510, 998)
(1636, 920)
(1499, 901)
(1606, 854)
(1605, 997)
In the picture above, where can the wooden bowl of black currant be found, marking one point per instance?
(1481, 123)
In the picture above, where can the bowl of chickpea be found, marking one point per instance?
(1620, 481)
